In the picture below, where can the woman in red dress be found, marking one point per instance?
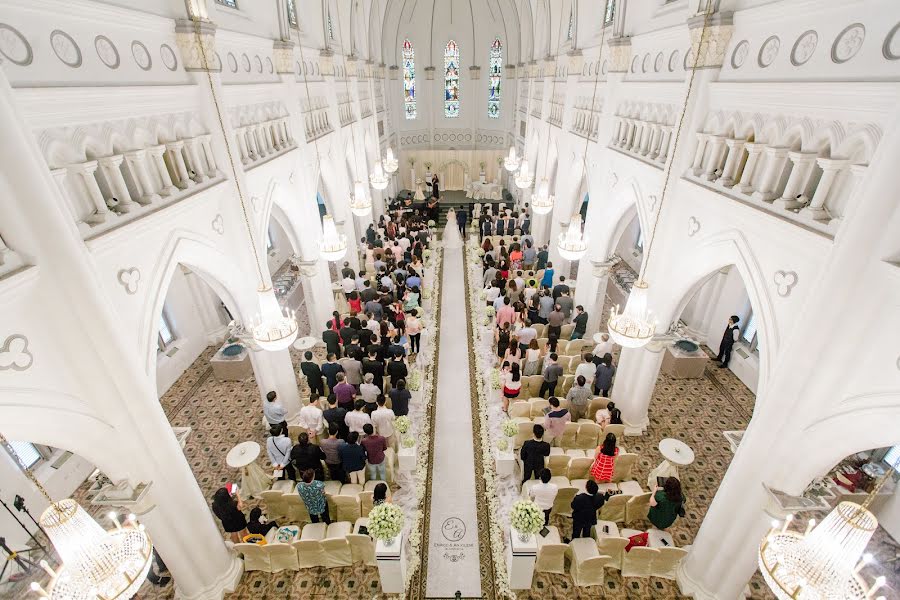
(605, 460)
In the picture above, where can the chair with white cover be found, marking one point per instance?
(637, 508)
(588, 436)
(551, 553)
(623, 466)
(526, 488)
(630, 488)
(579, 468)
(617, 430)
(350, 489)
(577, 453)
(337, 552)
(346, 508)
(309, 553)
(285, 486)
(534, 383)
(575, 347)
(566, 331)
(366, 502)
(565, 385)
(541, 330)
(666, 563)
(570, 432)
(561, 346)
(614, 509)
(526, 432)
(362, 549)
(638, 561)
(613, 547)
(587, 565)
(255, 557)
(537, 406)
(558, 464)
(282, 556)
(562, 504)
(519, 409)
(296, 509)
(597, 403)
(314, 531)
(276, 505)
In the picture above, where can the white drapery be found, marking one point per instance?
(452, 166)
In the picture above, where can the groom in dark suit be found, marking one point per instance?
(461, 217)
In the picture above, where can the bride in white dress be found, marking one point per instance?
(451, 237)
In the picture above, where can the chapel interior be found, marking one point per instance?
(650, 246)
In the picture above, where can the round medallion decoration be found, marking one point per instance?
(740, 54)
(258, 61)
(658, 63)
(107, 52)
(891, 47)
(645, 64)
(65, 48)
(141, 55)
(14, 47)
(848, 42)
(804, 47)
(673, 61)
(634, 64)
(245, 62)
(232, 63)
(768, 51)
(269, 66)
(605, 68)
(217, 64)
(168, 57)
(689, 59)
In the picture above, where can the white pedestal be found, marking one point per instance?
(506, 463)
(482, 178)
(391, 565)
(520, 560)
(407, 459)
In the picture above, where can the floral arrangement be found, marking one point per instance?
(526, 517)
(482, 294)
(480, 252)
(408, 442)
(503, 444)
(411, 161)
(495, 379)
(490, 312)
(509, 428)
(482, 164)
(414, 382)
(426, 294)
(386, 521)
(426, 254)
(431, 223)
(402, 424)
(427, 165)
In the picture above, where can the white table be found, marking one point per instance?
(676, 454)
(305, 343)
(253, 479)
(480, 191)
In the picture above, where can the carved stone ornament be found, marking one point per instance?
(284, 56)
(218, 225)
(326, 63)
(600, 268)
(693, 226)
(785, 282)
(718, 34)
(189, 45)
(129, 279)
(14, 354)
(619, 54)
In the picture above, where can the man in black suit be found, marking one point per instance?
(368, 293)
(462, 215)
(533, 453)
(347, 334)
(332, 340)
(313, 374)
(526, 224)
(486, 228)
(511, 224)
(561, 288)
(500, 225)
(372, 365)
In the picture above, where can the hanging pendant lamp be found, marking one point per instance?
(542, 200)
(379, 178)
(391, 164)
(524, 179)
(333, 246)
(511, 162)
(573, 242)
(360, 204)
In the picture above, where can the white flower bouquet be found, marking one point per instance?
(526, 517)
(402, 424)
(490, 312)
(415, 380)
(426, 294)
(426, 254)
(480, 252)
(509, 428)
(495, 379)
(408, 442)
(503, 444)
(386, 521)
(431, 223)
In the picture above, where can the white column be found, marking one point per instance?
(735, 152)
(831, 169)
(858, 172)
(666, 144)
(697, 166)
(275, 372)
(86, 172)
(59, 176)
(177, 160)
(633, 389)
(205, 141)
(596, 296)
(242, 144)
(794, 190)
(110, 166)
(714, 158)
(197, 166)
(775, 157)
(156, 155)
(655, 131)
(753, 153)
(142, 177)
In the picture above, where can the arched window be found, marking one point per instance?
(451, 80)
(496, 73)
(409, 80)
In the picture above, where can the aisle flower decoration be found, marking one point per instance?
(431, 223)
(402, 424)
(408, 442)
(415, 380)
(503, 444)
(495, 379)
(479, 252)
(526, 517)
(509, 428)
(490, 312)
(385, 522)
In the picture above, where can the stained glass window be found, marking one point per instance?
(571, 31)
(610, 11)
(494, 77)
(292, 13)
(409, 79)
(451, 80)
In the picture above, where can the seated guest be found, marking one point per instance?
(257, 525)
(604, 415)
(381, 494)
(543, 494)
(666, 504)
(307, 456)
(532, 454)
(604, 459)
(555, 420)
(615, 417)
(312, 491)
(278, 447)
(353, 459)
(584, 509)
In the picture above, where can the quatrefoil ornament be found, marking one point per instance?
(129, 278)
(218, 225)
(15, 354)
(785, 282)
(693, 226)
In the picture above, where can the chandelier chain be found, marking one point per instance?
(349, 99)
(677, 135)
(237, 183)
(587, 137)
(25, 469)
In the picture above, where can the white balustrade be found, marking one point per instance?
(795, 188)
(754, 151)
(84, 174)
(157, 155)
(697, 166)
(831, 170)
(176, 158)
(774, 167)
(714, 157)
(732, 162)
(110, 166)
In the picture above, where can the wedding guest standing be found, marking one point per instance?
(532, 454)
(312, 491)
(313, 374)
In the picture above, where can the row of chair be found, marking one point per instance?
(536, 407)
(572, 466)
(346, 502)
(584, 435)
(630, 506)
(320, 545)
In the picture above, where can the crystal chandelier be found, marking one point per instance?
(274, 328)
(333, 246)
(391, 164)
(379, 179)
(512, 161)
(96, 564)
(573, 242)
(524, 179)
(635, 326)
(360, 204)
(542, 201)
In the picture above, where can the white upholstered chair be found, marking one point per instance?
(587, 566)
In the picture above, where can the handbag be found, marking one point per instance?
(639, 539)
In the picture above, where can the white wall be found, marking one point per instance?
(281, 247)
(627, 246)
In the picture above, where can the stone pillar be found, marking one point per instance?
(205, 141)
(86, 172)
(735, 152)
(646, 136)
(242, 144)
(794, 190)
(753, 153)
(775, 157)
(858, 172)
(831, 170)
(156, 154)
(666, 144)
(59, 176)
(137, 162)
(274, 371)
(110, 167)
(595, 301)
(197, 166)
(260, 139)
(714, 159)
(177, 160)
(655, 138)
(633, 389)
(697, 167)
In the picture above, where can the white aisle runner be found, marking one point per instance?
(453, 558)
